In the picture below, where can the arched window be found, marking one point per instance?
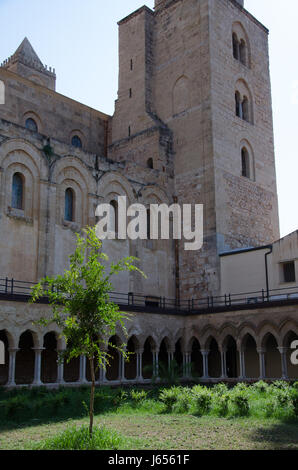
(242, 52)
(245, 163)
(238, 104)
(17, 201)
(150, 163)
(76, 142)
(31, 125)
(69, 205)
(235, 47)
(114, 217)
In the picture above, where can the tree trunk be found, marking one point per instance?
(91, 413)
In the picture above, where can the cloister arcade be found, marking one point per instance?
(32, 359)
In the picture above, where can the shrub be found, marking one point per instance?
(241, 403)
(295, 385)
(16, 405)
(222, 405)
(220, 389)
(261, 387)
(294, 399)
(183, 402)
(270, 407)
(241, 387)
(120, 397)
(138, 396)
(79, 439)
(203, 399)
(281, 385)
(283, 397)
(169, 397)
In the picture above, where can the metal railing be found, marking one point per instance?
(14, 288)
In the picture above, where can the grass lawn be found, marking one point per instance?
(181, 432)
(260, 417)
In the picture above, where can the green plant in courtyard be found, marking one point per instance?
(203, 400)
(81, 305)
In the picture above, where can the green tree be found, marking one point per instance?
(81, 305)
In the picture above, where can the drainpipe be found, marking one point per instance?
(270, 247)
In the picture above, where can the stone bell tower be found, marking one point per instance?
(205, 73)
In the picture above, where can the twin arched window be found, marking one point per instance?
(69, 205)
(240, 50)
(17, 199)
(242, 107)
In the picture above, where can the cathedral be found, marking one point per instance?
(192, 125)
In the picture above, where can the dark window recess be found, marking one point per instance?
(17, 191)
(76, 142)
(130, 92)
(69, 205)
(131, 64)
(129, 131)
(31, 125)
(289, 272)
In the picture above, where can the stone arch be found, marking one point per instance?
(35, 160)
(289, 346)
(196, 357)
(251, 358)
(49, 358)
(149, 347)
(181, 95)
(113, 182)
(5, 342)
(132, 347)
(266, 330)
(270, 345)
(25, 357)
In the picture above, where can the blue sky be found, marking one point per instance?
(80, 39)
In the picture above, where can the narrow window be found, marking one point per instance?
(114, 217)
(17, 191)
(245, 163)
(242, 52)
(131, 64)
(130, 92)
(69, 205)
(235, 47)
(245, 109)
(129, 131)
(150, 163)
(289, 272)
(238, 104)
(31, 125)
(148, 225)
(76, 142)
